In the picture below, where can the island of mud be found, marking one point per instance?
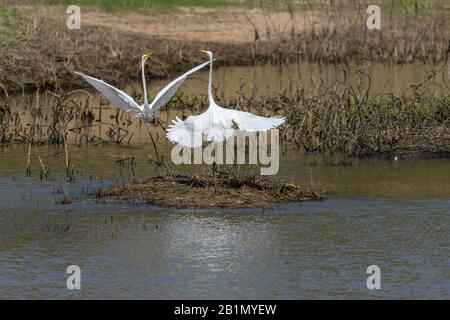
(206, 191)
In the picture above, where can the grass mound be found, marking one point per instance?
(223, 190)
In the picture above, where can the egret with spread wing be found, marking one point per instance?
(146, 111)
(216, 123)
(123, 101)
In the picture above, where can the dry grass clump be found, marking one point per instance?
(337, 124)
(335, 121)
(224, 190)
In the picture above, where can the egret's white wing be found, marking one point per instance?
(117, 97)
(185, 133)
(211, 124)
(216, 124)
(249, 122)
(168, 91)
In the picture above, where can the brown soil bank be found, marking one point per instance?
(40, 52)
(224, 191)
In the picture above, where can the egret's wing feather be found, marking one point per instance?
(249, 122)
(190, 132)
(169, 91)
(184, 133)
(216, 125)
(117, 97)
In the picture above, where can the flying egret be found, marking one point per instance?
(216, 123)
(146, 111)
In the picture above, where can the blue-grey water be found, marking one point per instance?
(394, 214)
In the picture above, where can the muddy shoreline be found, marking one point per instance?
(47, 53)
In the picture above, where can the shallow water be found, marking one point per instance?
(270, 80)
(230, 82)
(394, 214)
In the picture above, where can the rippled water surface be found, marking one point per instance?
(392, 214)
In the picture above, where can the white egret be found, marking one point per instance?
(123, 101)
(146, 111)
(216, 123)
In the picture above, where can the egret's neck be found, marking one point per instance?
(144, 83)
(210, 95)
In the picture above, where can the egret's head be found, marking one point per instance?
(147, 55)
(209, 54)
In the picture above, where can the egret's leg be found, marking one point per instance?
(153, 141)
(160, 124)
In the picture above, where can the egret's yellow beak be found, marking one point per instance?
(148, 54)
(203, 51)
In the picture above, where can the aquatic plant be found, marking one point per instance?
(377, 126)
(5, 121)
(336, 120)
(51, 118)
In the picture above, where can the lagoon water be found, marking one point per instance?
(394, 214)
(269, 80)
(247, 82)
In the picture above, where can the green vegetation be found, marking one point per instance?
(118, 5)
(12, 27)
(408, 8)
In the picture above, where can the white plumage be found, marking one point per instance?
(216, 123)
(123, 101)
(117, 97)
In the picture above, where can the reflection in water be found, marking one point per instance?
(311, 251)
(393, 214)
